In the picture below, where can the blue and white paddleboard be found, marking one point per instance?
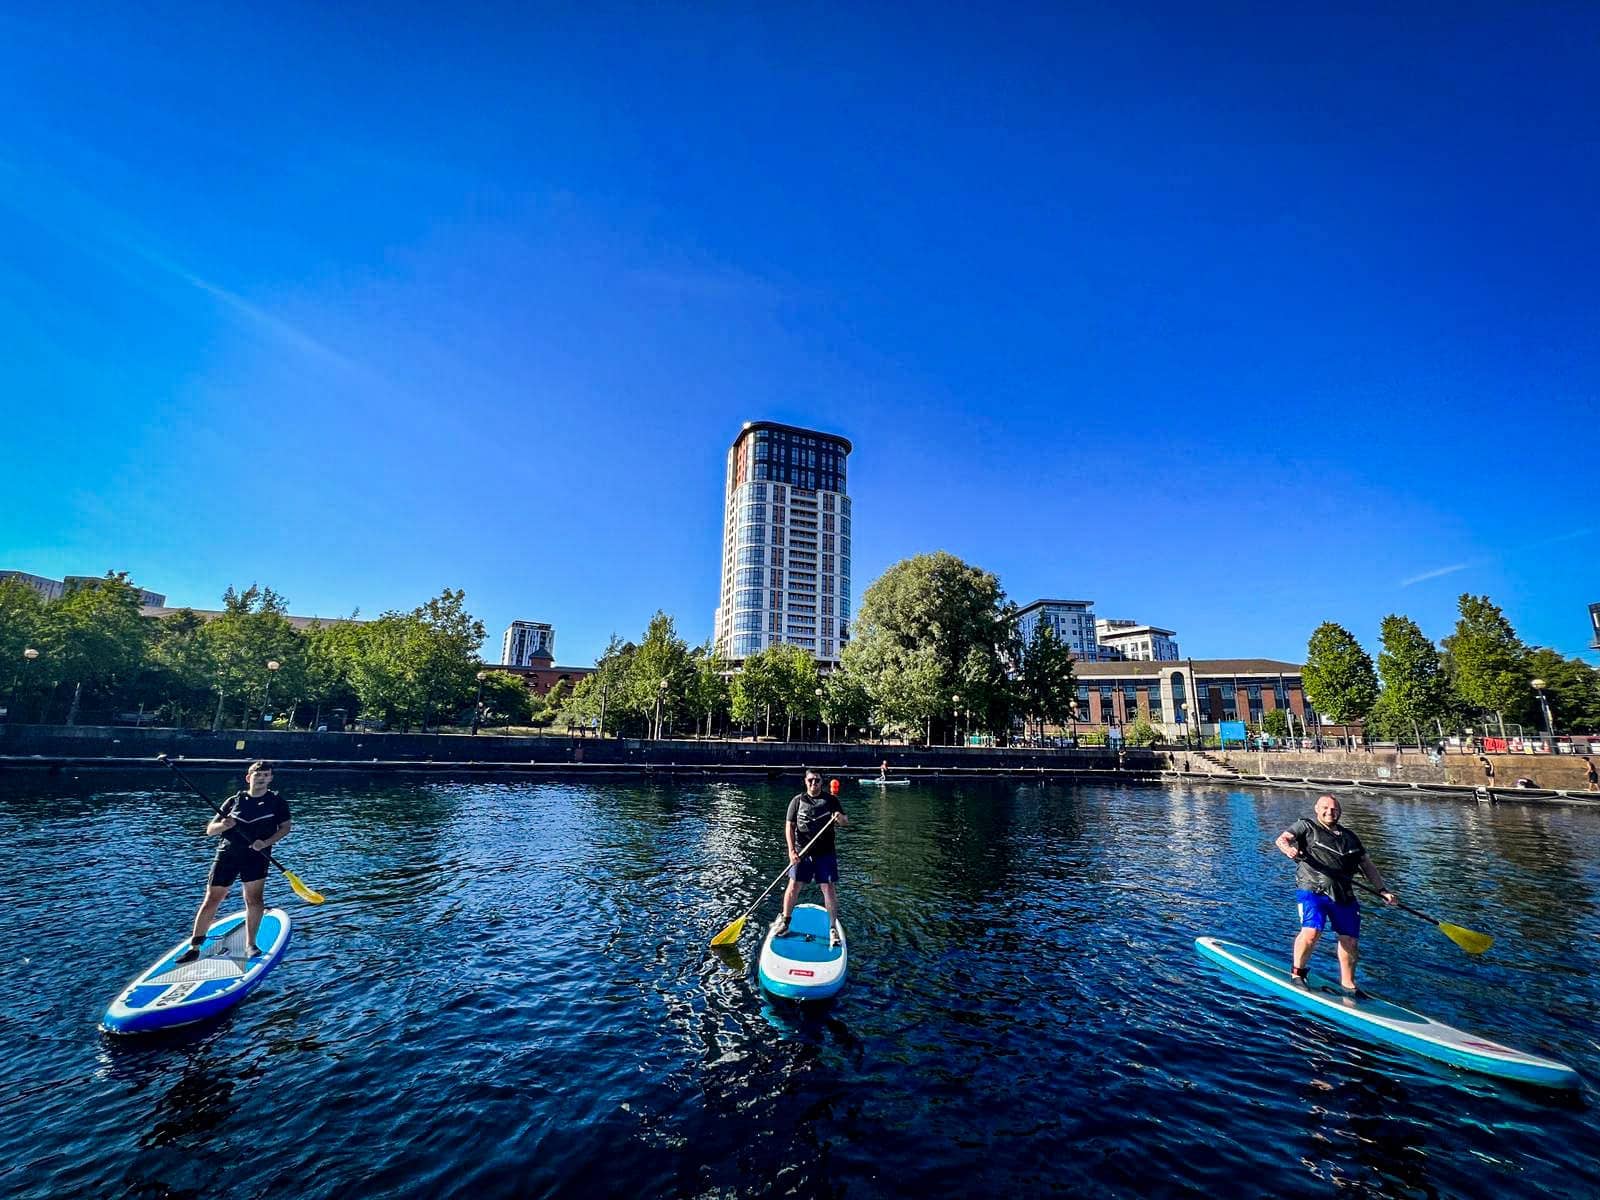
(801, 965)
(1386, 1023)
(173, 993)
(874, 781)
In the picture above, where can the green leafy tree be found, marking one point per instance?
(331, 650)
(758, 690)
(1142, 733)
(21, 627)
(931, 628)
(605, 692)
(507, 700)
(1338, 677)
(709, 691)
(93, 636)
(662, 658)
(798, 682)
(845, 703)
(252, 632)
(444, 639)
(1489, 662)
(1572, 690)
(181, 666)
(1275, 723)
(1046, 680)
(1415, 688)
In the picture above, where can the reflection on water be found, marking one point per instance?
(511, 992)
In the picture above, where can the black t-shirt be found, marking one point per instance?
(1331, 859)
(808, 814)
(258, 817)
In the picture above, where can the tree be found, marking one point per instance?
(444, 639)
(845, 702)
(1045, 678)
(662, 657)
(797, 683)
(21, 626)
(331, 650)
(1142, 733)
(1275, 722)
(1416, 689)
(708, 688)
(181, 665)
(1338, 678)
(757, 689)
(507, 701)
(252, 632)
(1488, 661)
(930, 628)
(1572, 690)
(92, 636)
(604, 693)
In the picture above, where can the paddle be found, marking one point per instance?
(731, 934)
(300, 889)
(1469, 940)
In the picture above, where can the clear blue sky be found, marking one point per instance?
(1232, 318)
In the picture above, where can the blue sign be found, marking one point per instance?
(1231, 731)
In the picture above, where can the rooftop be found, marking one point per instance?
(1064, 603)
(751, 426)
(211, 614)
(1122, 631)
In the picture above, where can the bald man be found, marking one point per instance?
(1327, 857)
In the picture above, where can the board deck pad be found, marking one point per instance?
(1383, 1021)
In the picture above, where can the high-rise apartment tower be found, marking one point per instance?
(785, 543)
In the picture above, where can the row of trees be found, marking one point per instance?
(92, 651)
(1481, 675)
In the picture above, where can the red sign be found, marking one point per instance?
(798, 971)
(1494, 745)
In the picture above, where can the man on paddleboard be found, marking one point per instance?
(1326, 857)
(251, 823)
(808, 813)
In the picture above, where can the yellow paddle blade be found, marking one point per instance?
(730, 935)
(301, 890)
(1469, 940)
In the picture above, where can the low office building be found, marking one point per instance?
(1176, 696)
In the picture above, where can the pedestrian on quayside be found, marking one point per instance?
(1326, 857)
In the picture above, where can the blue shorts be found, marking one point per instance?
(818, 868)
(1317, 910)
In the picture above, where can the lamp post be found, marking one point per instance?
(28, 655)
(266, 697)
(825, 720)
(1544, 707)
(477, 705)
(955, 718)
(661, 694)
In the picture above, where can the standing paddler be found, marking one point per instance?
(250, 824)
(1326, 857)
(808, 816)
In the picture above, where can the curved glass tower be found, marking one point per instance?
(785, 543)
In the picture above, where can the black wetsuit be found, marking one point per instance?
(258, 817)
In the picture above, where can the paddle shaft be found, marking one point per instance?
(1415, 912)
(196, 790)
(785, 871)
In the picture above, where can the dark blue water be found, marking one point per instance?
(509, 992)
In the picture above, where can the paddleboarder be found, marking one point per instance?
(250, 824)
(883, 769)
(808, 814)
(1327, 856)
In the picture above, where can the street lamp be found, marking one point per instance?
(661, 694)
(1544, 707)
(477, 706)
(819, 713)
(955, 717)
(28, 656)
(272, 669)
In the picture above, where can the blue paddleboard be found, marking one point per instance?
(172, 993)
(801, 965)
(1381, 1021)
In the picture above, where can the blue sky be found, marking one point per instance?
(1231, 318)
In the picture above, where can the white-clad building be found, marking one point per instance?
(1129, 641)
(527, 641)
(785, 544)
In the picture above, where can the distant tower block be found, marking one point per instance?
(528, 644)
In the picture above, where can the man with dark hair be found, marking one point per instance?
(808, 816)
(1326, 857)
(250, 823)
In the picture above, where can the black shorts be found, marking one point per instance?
(238, 862)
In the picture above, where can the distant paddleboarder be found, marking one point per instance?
(883, 769)
(1326, 857)
(250, 824)
(808, 814)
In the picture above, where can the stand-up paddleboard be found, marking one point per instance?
(874, 781)
(801, 965)
(1381, 1021)
(173, 993)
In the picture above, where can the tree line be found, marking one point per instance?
(93, 652)
(1480, 675)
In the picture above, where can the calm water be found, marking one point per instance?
(509, 992)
